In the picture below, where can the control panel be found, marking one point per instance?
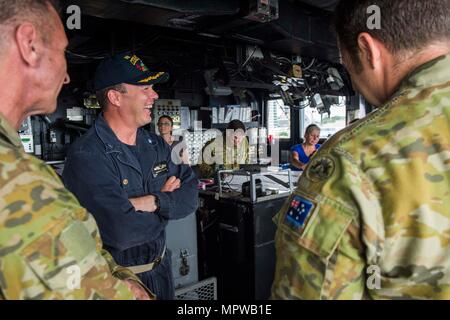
(26, 135)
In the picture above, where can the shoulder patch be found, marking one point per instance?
(320, 168)
(297, 213)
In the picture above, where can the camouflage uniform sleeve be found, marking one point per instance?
(320, 254)
(206, 167)
(206, 171)
(123, 273)
(50, 246)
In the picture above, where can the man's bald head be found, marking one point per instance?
(33, 65)
(13, 13)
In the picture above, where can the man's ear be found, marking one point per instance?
(28, 43)
(113, 97)
(369, 49)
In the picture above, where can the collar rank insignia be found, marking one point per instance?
(321, 168)
(297, 213)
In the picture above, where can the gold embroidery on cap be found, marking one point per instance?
(156, 76)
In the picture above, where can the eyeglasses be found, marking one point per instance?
(164, 124)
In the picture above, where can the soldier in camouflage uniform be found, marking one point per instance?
(50, 246)
(228, 151)
(371, 215)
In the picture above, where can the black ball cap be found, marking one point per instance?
(125, 68)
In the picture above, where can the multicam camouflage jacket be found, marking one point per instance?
(50, 246)
(371, 215)
(217, 153)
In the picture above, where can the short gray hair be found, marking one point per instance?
(13, 12)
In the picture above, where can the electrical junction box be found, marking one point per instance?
(296, 71)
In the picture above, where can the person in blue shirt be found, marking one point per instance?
(301, 153)
(123, 174)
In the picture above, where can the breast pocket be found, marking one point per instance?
(132, 184)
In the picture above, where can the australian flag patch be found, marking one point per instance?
(298, 212)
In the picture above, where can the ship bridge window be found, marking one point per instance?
(278, 119)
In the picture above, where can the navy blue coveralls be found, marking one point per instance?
(104, 173)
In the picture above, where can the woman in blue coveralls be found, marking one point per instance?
(301, 153)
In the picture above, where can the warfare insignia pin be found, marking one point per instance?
(297, 213)
(321, 168)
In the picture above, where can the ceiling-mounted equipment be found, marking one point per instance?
(334, 79)
(263, 10)
(214, 87)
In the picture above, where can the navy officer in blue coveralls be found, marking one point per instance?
(124, 175)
